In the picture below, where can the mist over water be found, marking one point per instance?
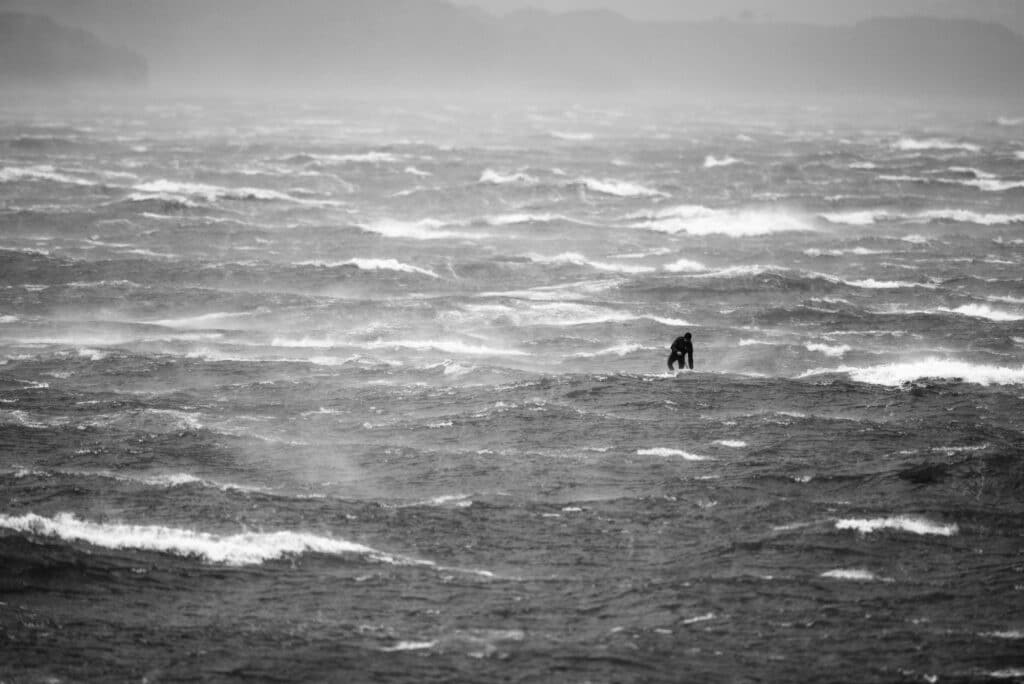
(376, 389)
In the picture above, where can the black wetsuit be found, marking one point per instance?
(682, 351)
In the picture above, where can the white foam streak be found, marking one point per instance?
(373, 265)
(854, 575)
(424, 229)
(618, 350)
(617, 188)
(900, 523)
(572, 136)
(933, 144)
(576, 259)
(663, 452)
(896, 374)
(983, 311)
(685, 266)
(711, 161)
(828, 350)
(492, 177)
(11, 174)
(210, 320)
(700, 220)
(211, 193)
(249, 548)
(456, 347)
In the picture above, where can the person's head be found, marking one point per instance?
(686, 336)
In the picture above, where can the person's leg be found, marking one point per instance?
(689, 357)
(671, 360)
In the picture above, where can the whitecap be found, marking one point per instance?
(907, 144)
(524, 218)
(699, 618)
(456, 347)
(11, 174)
(211, 193)
(1005, 634)
(492, 177)
(413, 171)
(618, 188)
(373, 265)
(424, 229)
(219, 319)
(863, 217)
(711, 162)
(700, 220)
(663, 452)
(967, 216)
(1007, 673)
(983, 311)
(853, 574)
(408, 646)
(872, 284)
(248, 548)
(897, 374)
(576, 259)
(828, 350)
(863, 165)
(372, 157)
(618, 350)
(572, 136)
(731, 443)
(900, 523)
(685, 266)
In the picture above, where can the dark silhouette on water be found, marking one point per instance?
(682, 349)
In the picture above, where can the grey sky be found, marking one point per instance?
(1010, 12)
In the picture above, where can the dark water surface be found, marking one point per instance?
(366, 392)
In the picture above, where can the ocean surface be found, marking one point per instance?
(369, 391)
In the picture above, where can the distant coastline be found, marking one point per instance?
(38, 52)
(226, 46)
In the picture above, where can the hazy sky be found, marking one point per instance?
(823, 11)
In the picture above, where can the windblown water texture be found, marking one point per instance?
(365, 392)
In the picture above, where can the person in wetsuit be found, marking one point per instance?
(681, 351)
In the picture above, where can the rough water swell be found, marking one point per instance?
(368, 393)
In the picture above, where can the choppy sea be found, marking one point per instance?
(373, 391)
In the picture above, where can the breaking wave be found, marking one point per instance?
(373, 265)
(700, 220)
(617, 188)
(711, 161)
(247, 548)
(897, 374)
(900, 523)
(934, 144)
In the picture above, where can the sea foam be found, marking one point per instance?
(896, 374)
(424, 229)
(853, 574)
(618, 188)
(711, 161)
(900, 523)
(492, 177)
(933, 144)
(663, 452)
(701, 220)
(575, 259)
(249, 548)
(373, 265)
(211, 193)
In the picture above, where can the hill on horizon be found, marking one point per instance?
(367, 45)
